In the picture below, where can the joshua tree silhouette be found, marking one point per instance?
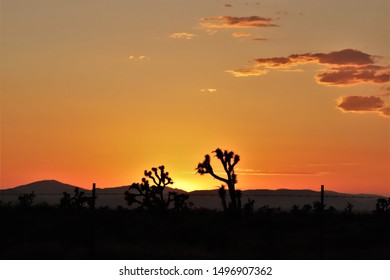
(153, 195)
(229, 161)
(26, 200)
(78, 201)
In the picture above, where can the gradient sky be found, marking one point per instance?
(98, 91)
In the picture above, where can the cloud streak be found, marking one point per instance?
(210, 90)
(252, 172)
(248, 72)
(182, 35)
(223, 22)
(138, 58)
(241, 34)
(259, 39)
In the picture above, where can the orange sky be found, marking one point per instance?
(98, 91)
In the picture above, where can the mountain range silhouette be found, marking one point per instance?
(51, 191)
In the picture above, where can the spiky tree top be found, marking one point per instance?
(159, 176)
(151, 196)
(228, 160)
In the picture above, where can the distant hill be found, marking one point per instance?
(50, 191)
(45, 186)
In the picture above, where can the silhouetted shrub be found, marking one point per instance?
(248, 207)
(382, 206)
(26, 200)
(348, 209)
(318, 207)
(269, 210)
(331, 211)
(180, 201)
(295, 210)
(307, 208)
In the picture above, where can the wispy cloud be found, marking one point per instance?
(291, 70)
(241, 34)
(385, 91)
(248, 72)
(363, 104)
(222, 22)
(138, 58)
(182, 35)
(210, 90)
(332, 164)
(259, 39)
(253, 172)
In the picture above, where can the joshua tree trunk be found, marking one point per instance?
(222, 195)
(229, 161)
(233, 198)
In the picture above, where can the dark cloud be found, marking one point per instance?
(363, 104)
(347, 66)
(386, 111)
(347, 75)
(275, 62)
(228, 5)
(343, 57)
(343, 68)
(236, 22)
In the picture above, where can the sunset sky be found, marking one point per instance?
(98, 91)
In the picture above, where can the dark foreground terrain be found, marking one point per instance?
(46, 232)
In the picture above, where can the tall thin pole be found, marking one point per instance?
(322, 247)
(93, 196)
(92, 224)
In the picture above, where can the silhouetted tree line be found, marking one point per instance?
(152, 197)
(150, 194)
